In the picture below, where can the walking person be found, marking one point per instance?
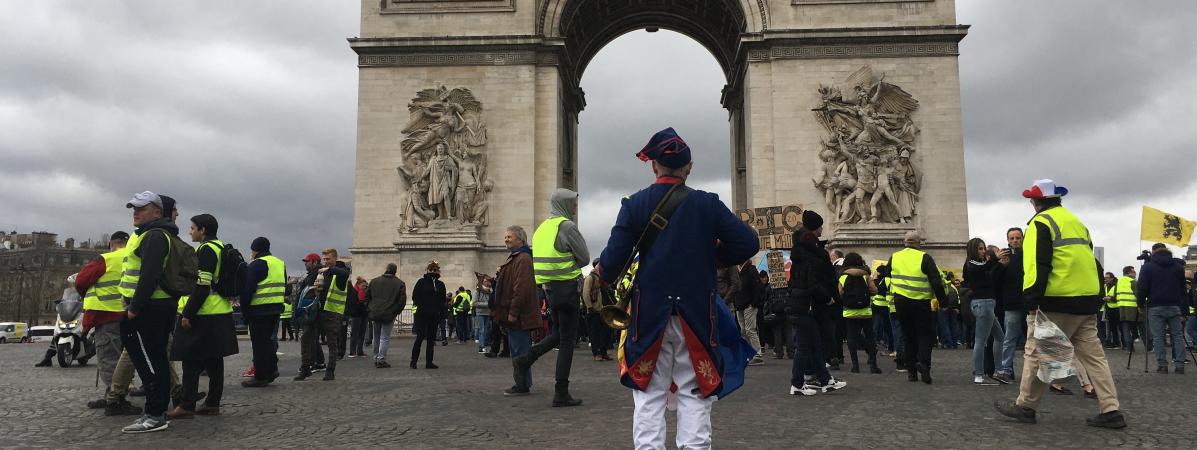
(915, 280)
(558, 254)
(1162, 290)
(882, 327)
(261, 304)
(856, 288)
(205, 334)
(674, 334)
(98, 282)
(516, 306)
(1008, 277)
(593, 300)
(812, 282)
(482, 321)
(386, 296)
(332, 291)
(428, 307)
(150, 315)
(978, 278)
(1062, 282)
(747, 303)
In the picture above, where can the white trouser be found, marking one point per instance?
(693, 412)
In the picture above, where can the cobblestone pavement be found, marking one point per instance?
(461, 406)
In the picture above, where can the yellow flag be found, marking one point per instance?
(1159, 226)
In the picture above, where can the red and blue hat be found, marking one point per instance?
(667, 149)
(1045, 189)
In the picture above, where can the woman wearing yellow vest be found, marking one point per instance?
(856, 290)
(205, 334)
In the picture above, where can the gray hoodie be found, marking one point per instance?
(562, 204)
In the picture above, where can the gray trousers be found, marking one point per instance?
(748, 329)
(107, 338)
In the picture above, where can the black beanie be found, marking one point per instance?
(811, 220)
(260, 244)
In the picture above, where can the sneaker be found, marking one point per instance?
(1112, 419)
(1059, 390)
(778, 356)
(382, 365)
(254, 383)
(1004, 378)
(490, 355)
(515, 391)
(1013, 411)
(1161, 369)
(351, 355)
(982, 380)
(832, 385)
(874, 369)
(755, 361)
(146, 425)
(806, 389)
(249, 373)
(1091, 394)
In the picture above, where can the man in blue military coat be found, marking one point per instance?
(680, 334)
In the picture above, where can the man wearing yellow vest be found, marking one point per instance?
(103, 307)
(558, 255)
(206, 333)
(1062, 281)
(1130, 322)
(332, 284)
(915, 280)
(1111, 316)
(262, 301)
(150, 316)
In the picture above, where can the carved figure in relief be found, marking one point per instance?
(869, 125)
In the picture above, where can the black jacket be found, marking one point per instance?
(152, 251)
(812, 277)
(979, 278)
(428, 296)
(1007, 284)
(750, 288)
(1162, 281)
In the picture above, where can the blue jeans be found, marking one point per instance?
(986, 326)
(949, 334)
(1159, 317)
(899, 338)
(1016, 326)
(482, 330)
(1192, 329)
(520, 343)
(882, 328)
(808, 351)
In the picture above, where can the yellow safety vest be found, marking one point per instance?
(548, 263)
(287, 313)
(105, 295)
(1124, 293)
(855, 313)
(214, 303)
(889, 296)
(461, 302)
(273, 288)
(131, 268)
(334, 302)
(906, 275)
(1074, 269)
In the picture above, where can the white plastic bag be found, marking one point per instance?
(1053, 349)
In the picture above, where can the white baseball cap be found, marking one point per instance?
(143, 199)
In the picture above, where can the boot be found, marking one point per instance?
(874, 369)
(121, 407)
(304, 373)
(329, 374)
(45, 362)
(561, 397)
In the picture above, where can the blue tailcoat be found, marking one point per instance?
(677, 277)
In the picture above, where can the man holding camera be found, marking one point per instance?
(1162, 290)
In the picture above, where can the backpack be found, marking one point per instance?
(308, 309)
(230, 276)
(182, 268)
(856, 292)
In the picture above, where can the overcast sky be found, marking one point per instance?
(248, 110)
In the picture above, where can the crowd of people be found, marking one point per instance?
(699, 315)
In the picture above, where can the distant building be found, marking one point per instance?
(33, 272)
(1191, 261)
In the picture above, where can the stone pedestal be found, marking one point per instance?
(440, 235)
(880, 240)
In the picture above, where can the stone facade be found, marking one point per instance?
(523, 59)
(33, 272)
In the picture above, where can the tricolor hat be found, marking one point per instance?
(667, 149)
(1045, 189)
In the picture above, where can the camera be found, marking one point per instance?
(1146, 255)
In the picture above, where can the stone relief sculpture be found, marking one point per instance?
(866, 171)
(444, 160)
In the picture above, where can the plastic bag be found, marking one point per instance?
(1053, 349)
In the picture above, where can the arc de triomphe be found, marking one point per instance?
(468, 113)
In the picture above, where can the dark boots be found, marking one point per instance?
(304, 373)
(561, 396)
(329, 374)
(45, 362)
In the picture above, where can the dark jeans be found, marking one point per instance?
(328, 326)
(191, 374)
(881, 326)
(145, 338)
(918, 327)
(497, 342)
(286, 331)
(808, 351)
(860, 336)
(783, 338)
(357, 335)
(1113, 334)
(829, 330)
(343, 333)
(425, 329)
(563, 296)
(463, 327)
(600, 335)
(261, 332)
(949, 329)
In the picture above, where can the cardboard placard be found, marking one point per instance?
(774, 225)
